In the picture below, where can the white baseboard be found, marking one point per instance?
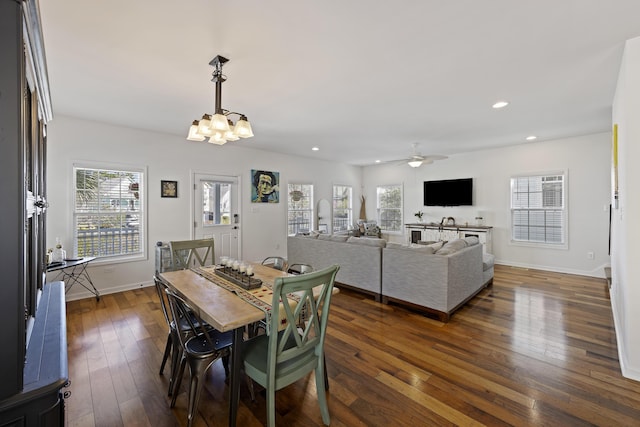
(597, 272)
(83, 293)
(628, 372)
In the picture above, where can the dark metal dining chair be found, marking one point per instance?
(200, 350)
(276, 262)
(299, 268)
(281, 358)
(172, 348)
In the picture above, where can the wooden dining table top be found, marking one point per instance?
(217, 306)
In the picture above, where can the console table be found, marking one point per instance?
(436, 232)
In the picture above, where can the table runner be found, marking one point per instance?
(260, 298)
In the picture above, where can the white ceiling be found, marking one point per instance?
(361, 80)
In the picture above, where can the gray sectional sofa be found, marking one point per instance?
(360, 259)
(437, 279)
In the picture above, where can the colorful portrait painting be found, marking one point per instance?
(265, 186)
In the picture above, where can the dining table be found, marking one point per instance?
(226, 307)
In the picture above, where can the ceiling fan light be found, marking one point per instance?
(243, 128)
(219, 122)
(218, 138)
(415, 163)
(193, 132)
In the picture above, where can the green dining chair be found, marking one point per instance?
(199, 252)
(281, 358)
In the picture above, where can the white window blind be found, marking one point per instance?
(538, 212)
(108, 213)
(389, 207)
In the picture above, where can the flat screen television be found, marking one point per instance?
(449, 192)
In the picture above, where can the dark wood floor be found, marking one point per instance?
(536, 349)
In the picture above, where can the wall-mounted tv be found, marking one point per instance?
(449, 192)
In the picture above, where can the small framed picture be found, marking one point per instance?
(169, 188)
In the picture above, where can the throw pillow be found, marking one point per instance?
(436, 246)
(427, 250)
(471, 240)
(452, 246)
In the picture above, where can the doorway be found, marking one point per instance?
(216, 213)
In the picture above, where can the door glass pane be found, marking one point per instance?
(216, 196)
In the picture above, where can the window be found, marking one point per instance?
(216, 202)
(108, 213)
(389, 205)
(538, 212)
(299, 208)
(342, 211)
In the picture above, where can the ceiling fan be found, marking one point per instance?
(416, 160)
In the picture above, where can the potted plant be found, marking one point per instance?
(419, 215)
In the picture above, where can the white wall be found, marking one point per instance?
(169, 157)
(586, 161)
(625, 268)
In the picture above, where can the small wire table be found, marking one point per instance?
(74, 271)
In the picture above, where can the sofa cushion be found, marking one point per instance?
(333, 237)
(471, 240)
(452, 246)
(436, 246)
(394, 245)
(488, 261)
(424, 249)
(421, 249)
(380, 243)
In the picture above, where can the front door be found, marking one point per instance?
(216, 211)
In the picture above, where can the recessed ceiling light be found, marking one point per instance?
(315, 149)
(500, 104)
(377, 161)
(531, 138)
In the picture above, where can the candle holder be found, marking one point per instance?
(236, 277)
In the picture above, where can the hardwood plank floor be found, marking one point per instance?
(536, 349)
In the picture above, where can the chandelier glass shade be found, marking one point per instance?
(218, 127)
(415, 163)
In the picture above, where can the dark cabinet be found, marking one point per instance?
(33, 358)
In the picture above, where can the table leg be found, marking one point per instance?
(236, 364)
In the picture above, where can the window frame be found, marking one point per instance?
(294, 186)
(564, 211)
(348, 209)
(141, 210)
(399, 208)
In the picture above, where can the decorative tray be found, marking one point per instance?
(237, 278)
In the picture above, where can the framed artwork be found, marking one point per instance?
(265, 186)
(169, 188)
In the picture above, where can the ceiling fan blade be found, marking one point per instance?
(434, 157)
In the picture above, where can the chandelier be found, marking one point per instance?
(218, 127)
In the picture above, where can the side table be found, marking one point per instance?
(74, 271)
